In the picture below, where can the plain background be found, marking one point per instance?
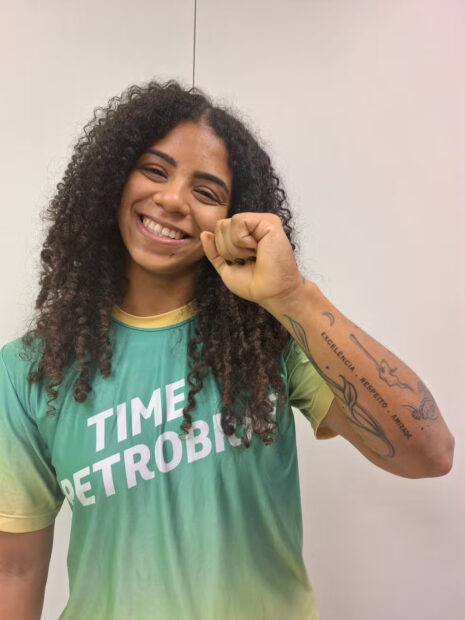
(360, 104)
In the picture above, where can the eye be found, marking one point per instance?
(156, 171)
(207, 195)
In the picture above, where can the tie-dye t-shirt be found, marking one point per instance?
(164, 526)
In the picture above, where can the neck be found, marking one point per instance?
(150, 294)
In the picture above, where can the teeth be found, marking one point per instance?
(162, 231)
(168, 233)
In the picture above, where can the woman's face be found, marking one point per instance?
(179, 187)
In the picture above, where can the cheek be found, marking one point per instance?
(207, 221)
(127, 198)
(129, 192)
(120, 216)
(122, 209)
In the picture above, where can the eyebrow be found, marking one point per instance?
(198, 174)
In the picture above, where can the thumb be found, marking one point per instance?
(207, 239)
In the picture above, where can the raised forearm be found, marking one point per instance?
(387, 404)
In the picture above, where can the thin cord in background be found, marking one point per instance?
(195, 29)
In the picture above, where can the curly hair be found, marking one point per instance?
(236, 340)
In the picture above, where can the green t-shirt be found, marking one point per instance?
(164, 526)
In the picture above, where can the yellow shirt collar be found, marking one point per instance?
(158, 320)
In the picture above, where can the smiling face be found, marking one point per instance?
(182, 185)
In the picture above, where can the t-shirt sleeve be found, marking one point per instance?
(308, 391)
(30, 496)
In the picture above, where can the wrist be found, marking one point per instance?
(292, 302)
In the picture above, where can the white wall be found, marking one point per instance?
(361, 104)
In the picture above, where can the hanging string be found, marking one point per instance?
(195, 31)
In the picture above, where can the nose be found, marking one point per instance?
(171, 197)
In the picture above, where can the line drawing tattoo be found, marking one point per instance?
(330, 317)
(385, 372)
(427, 409)
(359, 416)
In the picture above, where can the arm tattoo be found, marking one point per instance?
(330, 317)
(385, 372)
(346, 392)
(427, 409)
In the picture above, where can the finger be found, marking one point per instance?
(245, 241)
(207, 240)
(223, 245)
(241, 235)
(230, 245)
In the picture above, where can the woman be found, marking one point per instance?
(154, 391)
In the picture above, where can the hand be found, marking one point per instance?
(267, 271)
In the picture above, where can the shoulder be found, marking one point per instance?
(18, 359)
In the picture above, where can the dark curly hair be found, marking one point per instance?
(236, 340)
